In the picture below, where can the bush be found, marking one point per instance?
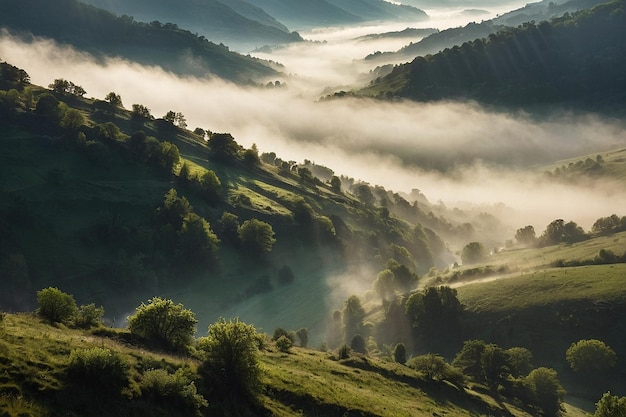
(399, 353)
(279, 331)
(163, 324)
(97, 369)
(231, 366)
(590, 356)
(610, 406)
(88, 316)
(55, 305)
(546, 390)
(357, 344)
(284, 344)
(174, 391)
(344, 352)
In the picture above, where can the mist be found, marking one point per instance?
(452, 152)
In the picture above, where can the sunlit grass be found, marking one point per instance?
(597, 283)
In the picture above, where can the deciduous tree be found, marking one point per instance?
(163, 324)
(231, 366)
(55, 305)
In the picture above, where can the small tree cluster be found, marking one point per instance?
(434, 367)
(62, 86)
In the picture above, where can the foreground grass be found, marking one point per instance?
(34, 356)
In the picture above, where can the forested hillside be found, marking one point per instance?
(247, 27)
(100, 198)
(103, 34)
(576, 60)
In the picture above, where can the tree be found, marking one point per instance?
(198, 243)
(518, 361)
(55, 305)
(591, 357)
(432, 366)
(335, 184)
(174, 209)
(166, 156)
(72, 119)
(399, 353)
(353, 315)
(357, 344)
(141, 111)
(384, 285)
(88, 316)
(284, 344)
(114, 99)
(546, 390)
(60, 86)
(210, 186)
(494, 365)
(228, 227)
(610, 406)
(526, 236)
(231, 366)
(473, 252)
(469, 359)
(222, 147)
(48, 106)
(365, 195)
(163, 324)
(257, 236)
(303, 336)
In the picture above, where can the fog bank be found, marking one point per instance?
(450, 151)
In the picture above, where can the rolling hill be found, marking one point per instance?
(574, 61)
(103, 34)
(302, 14)
(236, 24)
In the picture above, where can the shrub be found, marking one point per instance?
(610, 406)
(357, 344)
(55, 305)
(590, 356)
(97, 369)
(279, 331)
(399, 353)
(344, 352)
(231, 366)
(284, 344)
(175, 391)
(546, 390)
(303, 336)
(163, 324)
(88, 316)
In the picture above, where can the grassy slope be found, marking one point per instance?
(33, 356)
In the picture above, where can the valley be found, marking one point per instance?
(307, 177)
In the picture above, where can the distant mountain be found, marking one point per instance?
(543, 10)
(577, 60)
(237, 24)
(380, 10)
(101, 33)
(539, 11)
(439, 41)
(303, 14)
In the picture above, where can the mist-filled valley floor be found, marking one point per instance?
(281, 193)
